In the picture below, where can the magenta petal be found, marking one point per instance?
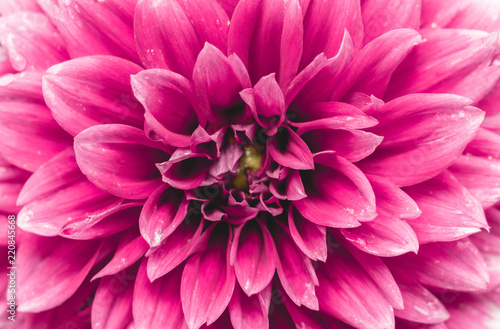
(267, 36)
(165, 209)
(108, 156)
(60, 265)
(16, 34)
(175, 248)
(289, 150)
(420, 304)
(267, 103)
(170, 34)
(253, 257)
(480, 175)
(112, 304)
(248, 312)
(10, 7)
(449, 61)
(324, 26)
(473, 311)
(396, 15)
(449, 211)
(81, 96)
(413, 149)
(98, 28)
(185, 170)
(157, 305)
(213, 72)
(456, 265)
(131, 248)
(295, 270)
(355, 202)
(347, 293)
(371, 69)
(377, 270)
(309, 237)
(49, 197)
(205, 293)
(168, 98)
(350, 144)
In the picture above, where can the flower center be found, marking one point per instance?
(250, 160)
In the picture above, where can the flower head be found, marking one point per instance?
(251, 164)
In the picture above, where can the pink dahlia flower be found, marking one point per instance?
(252, 164)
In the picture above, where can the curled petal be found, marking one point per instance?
(108, 156)
(249, 312)
(80, 96)
(185, 170)
(170, 34)
(289, 150)
(309, 237)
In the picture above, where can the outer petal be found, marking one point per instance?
(60, 265)
(170, 34)
(324, 26)
(381, 16)
(295, 270)
(175, 248)
(249, 312)
(10, 7)
(108, 156)
(17, 33)
(168, 98)
(470, 310)
(440, 66)
(81, 96)
(97, 28)
(205, 293)
(449, 211)
(309, 237)
(355, 202)
(253, 257)
(164, 210)
(349, 294)
(267, 36)
(49, 197)
(112, 304)
(454, 265)
(423, 135)
(157, 305)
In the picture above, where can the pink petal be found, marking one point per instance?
(420, 304)
(253, 257)
(205, 293)
(165, 209)
(170, 34)
(481, 176)
(49, 197)
(375, 268)
(112, 304)
(423, 135)
(168, 98)
(267, 36)
(381, 16)
(8, 196)
(16, 34)
(473, 311)
(295, 270)
(157, 305)
(441, 66)
(10, 7)
(356, 202)
(98, 28)
(309, 237)
(214, 72)
(371, 69)
(175, 248)
(107, 155)
(324, 25)
(267, 103)
(185, 170)
(289, 150)
(350, 144)
(349, 294)
(81, 96)
(129, 250)
(248, 312)
(60, 265)
(449, 211)
(456, 265)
